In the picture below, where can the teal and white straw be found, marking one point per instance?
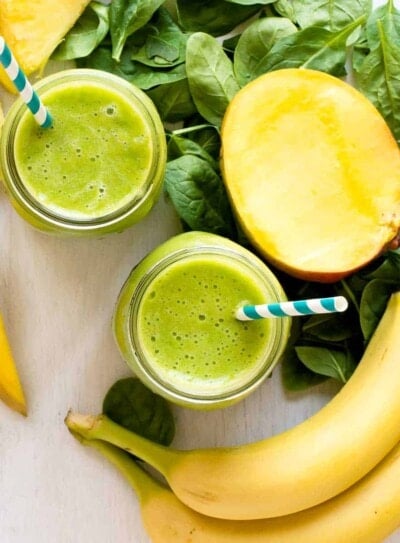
(298, 308)
(25, 89)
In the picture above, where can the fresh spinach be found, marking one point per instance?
(250, 2)
(199, 196)
(296, 377)
(330, 14)
(334, 363)
(378, 74)
(331, 327)
(256, 42)
(179, 146)
(216, 17)
(127, 16)
(132, 405)
(173, 101)
(314, 48)
(143, 76)
(164, 43)
(210, 75)
(373, 303)
(90, 30)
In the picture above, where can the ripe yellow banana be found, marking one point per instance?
(296, 469)
(366, 513)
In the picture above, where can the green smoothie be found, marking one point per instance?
(175, 322)
(187, 328)
(98, 169)
(93, 161)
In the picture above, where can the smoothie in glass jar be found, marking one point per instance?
(175, 321)
(98, 169)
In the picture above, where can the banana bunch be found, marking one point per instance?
(366, 513)
(288, 475)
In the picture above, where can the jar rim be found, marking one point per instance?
(129, 92)
(278, 326)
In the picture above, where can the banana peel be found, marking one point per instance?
(34, 29)
(11, 392)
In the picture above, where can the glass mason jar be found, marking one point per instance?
(98, 169)
(175, 327)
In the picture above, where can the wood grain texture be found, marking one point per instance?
(57, 297)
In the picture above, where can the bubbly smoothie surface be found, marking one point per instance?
(93, 161)
(188, 331)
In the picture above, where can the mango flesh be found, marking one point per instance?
(34, 29)
(313, 173)
(11, 392)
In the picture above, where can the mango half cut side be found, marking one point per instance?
(313, 173)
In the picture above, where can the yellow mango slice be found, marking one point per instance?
(313, 173)
(34, 29)
(10, 386)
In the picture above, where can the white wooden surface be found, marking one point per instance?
(57, 297)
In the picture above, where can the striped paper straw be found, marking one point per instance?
(28, 95)
(314, 306)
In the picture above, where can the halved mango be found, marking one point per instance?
(34, 29)
(313, 173)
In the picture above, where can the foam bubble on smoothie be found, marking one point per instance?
(188, 330)
(93, 161)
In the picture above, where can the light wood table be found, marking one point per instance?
(57, 297)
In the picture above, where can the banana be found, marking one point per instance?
(366, 513)
(294, 470)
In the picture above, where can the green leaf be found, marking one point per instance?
(374, 299)
(210, 75)
(173, 101)
(164, 44)
(135, 72)
(209, 139)
(295, 376)
(314, 48)
(199, 196)
(127, 16)
(90, 30)
(216, 17)
(330, 327)
(389, 269)
(256, 42)
(178, 146)
(378, 74)
(329, 362)
(330, 14)
(132, 405)
(250, 2)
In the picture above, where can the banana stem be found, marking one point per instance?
(143, 485)
(101, 427)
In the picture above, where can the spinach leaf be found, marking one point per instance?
(314, 48)
(250, 2)
(132, 405)
(378, 74)
(374, 299)
(256, 42)
(178, 146)
(330, 327)
(210, 75)
(334, 363)
(389, 269)
(199, 196)
(127, 16)
(164, 43)
(173, 101)
(216, 17)
(296, 377)
(143, 76)
(88, 32)
(330, 14)
(209, 140)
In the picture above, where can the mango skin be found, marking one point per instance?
(313, 173)
(34, 29)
